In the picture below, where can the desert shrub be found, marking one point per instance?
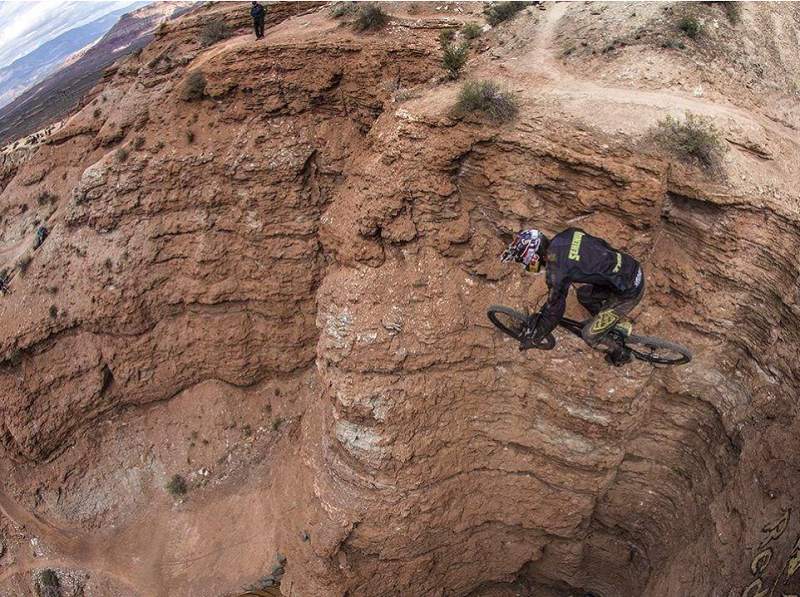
(189, 136)
(138, 143)
(162, 28)
(97, 112)
(122, 154)
(502, 11)
(177, 486)
(695, 138)
(194, 88)
(53, 311)
(24, 263)
(276, 423)
(488, 98)
(446, 36)
(733, 10)
(213, 31)
(454, 57)
(45, 197)
(47, 584)
(370, 17)
(691, 26)
(673, 44)
(13, 358)
(471, 30)
(341, 9)
(404, 94)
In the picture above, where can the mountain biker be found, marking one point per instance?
(612, 283)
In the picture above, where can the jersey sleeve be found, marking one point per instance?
(553, 309)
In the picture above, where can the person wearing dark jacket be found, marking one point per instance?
(612, 282)
(258, 12)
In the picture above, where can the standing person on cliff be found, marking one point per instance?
(258, 12)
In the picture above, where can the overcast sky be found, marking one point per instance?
(27, 24)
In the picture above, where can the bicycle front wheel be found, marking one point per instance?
(515, 324)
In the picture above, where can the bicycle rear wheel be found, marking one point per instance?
(658, 351)
(515, 324)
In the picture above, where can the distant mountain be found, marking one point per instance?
(54, 97)
(31, 68)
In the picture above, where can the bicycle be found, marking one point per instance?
(645, 348)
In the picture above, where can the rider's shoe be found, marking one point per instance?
(624, 327)
(618, 358)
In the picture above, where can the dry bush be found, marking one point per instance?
(691, 26)
(694, 139)
(177, 486)
(194, 88)
(23, 263)
(486, 97)
(122, 154)
(471, 30)
(502, 11)
(213, 31)
(47, 584)
(45, 197)
(446, 36)
(342, 9)
(370, 17)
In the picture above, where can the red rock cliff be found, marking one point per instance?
(312, 246)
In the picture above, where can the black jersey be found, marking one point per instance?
(574, 256)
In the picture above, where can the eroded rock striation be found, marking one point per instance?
(318, 235)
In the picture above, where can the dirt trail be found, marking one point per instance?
(150, 552)
(541, 62)
(75, 548)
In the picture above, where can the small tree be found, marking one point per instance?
(454, 58)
